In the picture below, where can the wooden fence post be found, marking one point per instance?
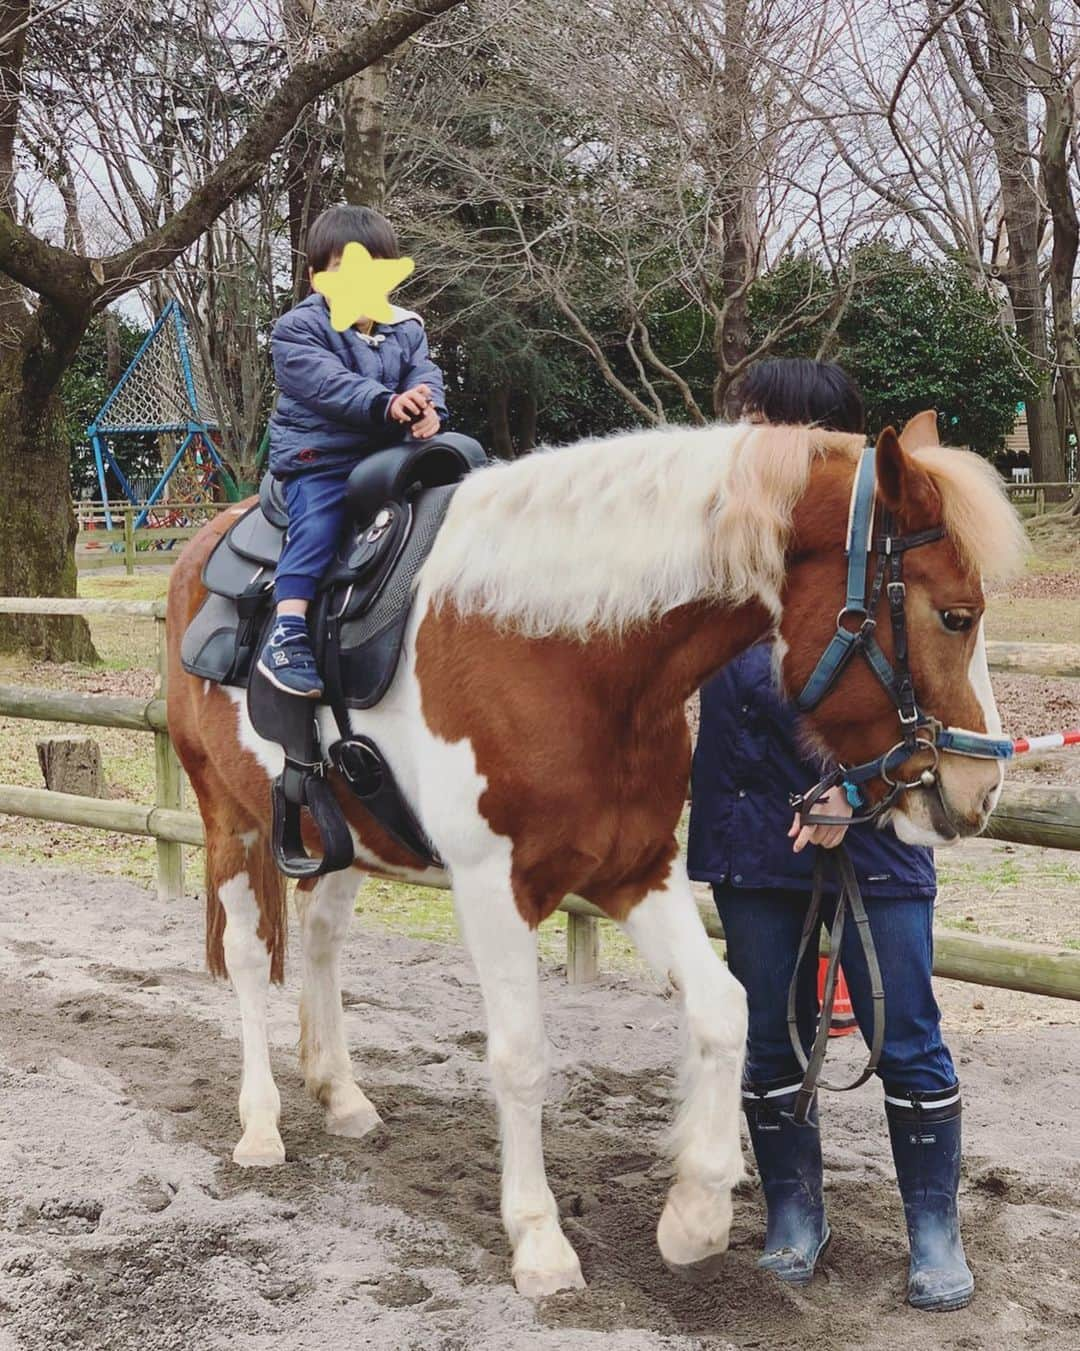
(168, 781)
(582, 949)
(129, 542)
(1040, 501)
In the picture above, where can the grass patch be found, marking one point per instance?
(124, 642)
(428, 913)
(962, 922)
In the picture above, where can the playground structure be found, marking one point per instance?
(163, 393)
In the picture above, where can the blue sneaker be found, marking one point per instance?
(287, 660)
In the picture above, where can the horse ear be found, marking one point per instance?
(904, 486)
(920, 430)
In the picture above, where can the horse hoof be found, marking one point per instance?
(537, 1284)
(354, 1125)
(698, 1273)
(259, 1153)
(694, 1226)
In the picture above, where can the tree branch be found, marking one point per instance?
(62, 276)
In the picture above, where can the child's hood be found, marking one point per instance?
(397, 316)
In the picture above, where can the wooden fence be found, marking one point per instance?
(1040, 493)
(98, 546)
(1026, 815)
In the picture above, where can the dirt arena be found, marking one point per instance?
(126, 1225)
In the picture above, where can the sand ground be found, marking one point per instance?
(125, 1225)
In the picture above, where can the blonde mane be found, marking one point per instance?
(609, 534)
(979, 519)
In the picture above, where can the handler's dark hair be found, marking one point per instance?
(797, 390)
(340, 225)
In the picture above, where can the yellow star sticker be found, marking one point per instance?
(360, 286)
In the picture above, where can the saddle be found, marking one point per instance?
(396, 500)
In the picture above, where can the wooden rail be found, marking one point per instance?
(1036, 492)
(1035, 968)
(94, 534)
(1044, 659)
(100, 710)
(1026, 815)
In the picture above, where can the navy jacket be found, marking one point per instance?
(746, 762)
(335, 388)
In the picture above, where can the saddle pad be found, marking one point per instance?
(395, 598)
(371, 642)
(252, 537)
(208, 647)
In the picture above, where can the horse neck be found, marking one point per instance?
(666, 663)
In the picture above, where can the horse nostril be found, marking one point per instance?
(988, 802)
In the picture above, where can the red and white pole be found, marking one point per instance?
(1052, 741)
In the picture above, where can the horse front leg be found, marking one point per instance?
(325, 906)
(247, 961)
(504, 951)
(666, 929)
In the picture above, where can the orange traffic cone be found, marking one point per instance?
(842, 1023)
(91, 524)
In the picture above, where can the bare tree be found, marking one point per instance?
(932, 111)
(38, 339)
(635, 179)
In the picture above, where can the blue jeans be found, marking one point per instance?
(762, 930)
(316, 505)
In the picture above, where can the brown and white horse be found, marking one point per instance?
(571, 604)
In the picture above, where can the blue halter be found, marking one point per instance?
(918, 730)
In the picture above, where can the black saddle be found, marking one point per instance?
(396, 501)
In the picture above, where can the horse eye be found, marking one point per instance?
(957, 621)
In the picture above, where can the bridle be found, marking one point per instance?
(918, 730)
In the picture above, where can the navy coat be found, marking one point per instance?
(335, 388)
(746, 763)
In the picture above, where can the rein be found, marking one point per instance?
(849, 899)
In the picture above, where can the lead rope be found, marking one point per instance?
(849, 898)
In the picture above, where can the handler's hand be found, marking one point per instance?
(413, 403)
(832, 803)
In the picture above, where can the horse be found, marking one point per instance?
(571, 604)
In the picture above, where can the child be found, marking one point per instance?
(341, 396)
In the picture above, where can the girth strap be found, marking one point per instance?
(849, 898)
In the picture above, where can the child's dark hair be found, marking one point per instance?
(340, 225)
(795, 389)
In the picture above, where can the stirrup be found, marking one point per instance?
(301, 785)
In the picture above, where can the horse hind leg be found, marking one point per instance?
(504, 951)
(246, 938)
(325, 907)
(705, 1144)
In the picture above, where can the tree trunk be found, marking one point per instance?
(502, 443)
(303, 186)
(527, 416)
(71, 764)
(363, 110)
(1054, 157)
(114, 367)
(1009, 128)
(37, 523)
(737, 177)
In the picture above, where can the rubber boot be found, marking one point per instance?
(789, 1161)
(926, 1150)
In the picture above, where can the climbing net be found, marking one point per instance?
(163, 392)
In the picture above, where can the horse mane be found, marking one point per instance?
(979, 519)
(608, 534)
